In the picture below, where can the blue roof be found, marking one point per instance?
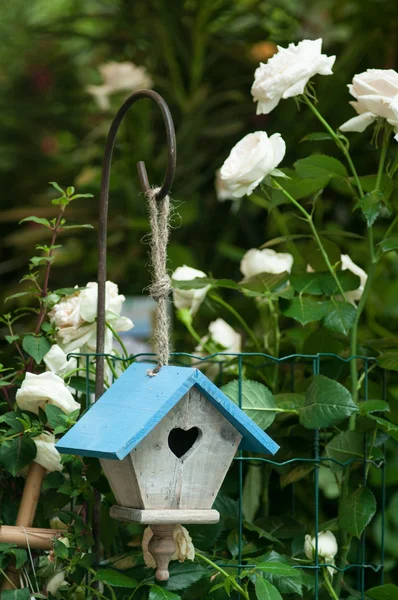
(136, 403)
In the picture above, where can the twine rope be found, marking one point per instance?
(159, 214)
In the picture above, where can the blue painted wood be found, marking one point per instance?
(136, 403)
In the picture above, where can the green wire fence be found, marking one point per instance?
(289, 374)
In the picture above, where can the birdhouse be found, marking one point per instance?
(165, 443)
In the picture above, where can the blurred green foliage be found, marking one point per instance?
(202, 55)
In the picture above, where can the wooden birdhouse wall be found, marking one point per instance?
(152, 476)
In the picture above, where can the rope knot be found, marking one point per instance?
(160, 288)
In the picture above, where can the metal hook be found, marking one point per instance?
(104, 202)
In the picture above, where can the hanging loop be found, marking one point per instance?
(104, 203)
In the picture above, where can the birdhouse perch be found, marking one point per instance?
(165, 444)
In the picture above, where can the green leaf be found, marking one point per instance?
(389, 361)
(252, 491)
(55, 416)
(357, 511)
(320, 165)
(60, 549)
(322, 283)
(158, 593)
(327, 402)
(182, 575)
(389, 591)
(18, 295)
(370, 406)
(57, 187)
(23, 594)
(11, 338)
(298, 188)
(17, 453)
(371, 204)
(340, 316)
(289, 400)
(303, 309)
(86, 226)
(36, 346)
(390, 243)
(265, 590)
(258, 401)
(386, 426)
(21, 556)
(264, 283)
(345, 446)
(278, 568)
(316, 137)
(39, 220)
(291, 584)
(80, 384)
(115, 578)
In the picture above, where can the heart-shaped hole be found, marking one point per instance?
(181, 441)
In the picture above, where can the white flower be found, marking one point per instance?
(57, 362)
(75, 318)
(223, 334)
(287, 73)
(47, 455)
(222, 190)
(190, 299)
(346, 263)
(327, 548)
(376, 93)
(55, 582)
(265, 261)
(185, 548)
(47, 388)
(250, 161)
(119, 77)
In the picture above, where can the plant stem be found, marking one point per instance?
(238, 317)
(318, 240)
(44, 290)
(234, 583)
(369, 282)
(118, 338)
(337, 141)
(328, 585)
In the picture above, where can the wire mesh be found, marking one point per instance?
(288, 373)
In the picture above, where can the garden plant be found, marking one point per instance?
(294, 349)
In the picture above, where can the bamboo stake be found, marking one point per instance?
(26, 514)
(38, 539)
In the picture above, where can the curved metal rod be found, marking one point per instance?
(104, 202)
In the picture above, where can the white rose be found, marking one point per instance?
(376, 93)
(250, 161)
(55, 582)
(222, 190)
(185, 548)
(119, 77)
(47, 455)
(75, 318)
(223, 334)
(191, 299)
(265, 261)
(327, 548)
(346, 263)
(47, 388)
(287, 73)
(57, 362)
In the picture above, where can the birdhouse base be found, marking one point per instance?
(164, 517)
